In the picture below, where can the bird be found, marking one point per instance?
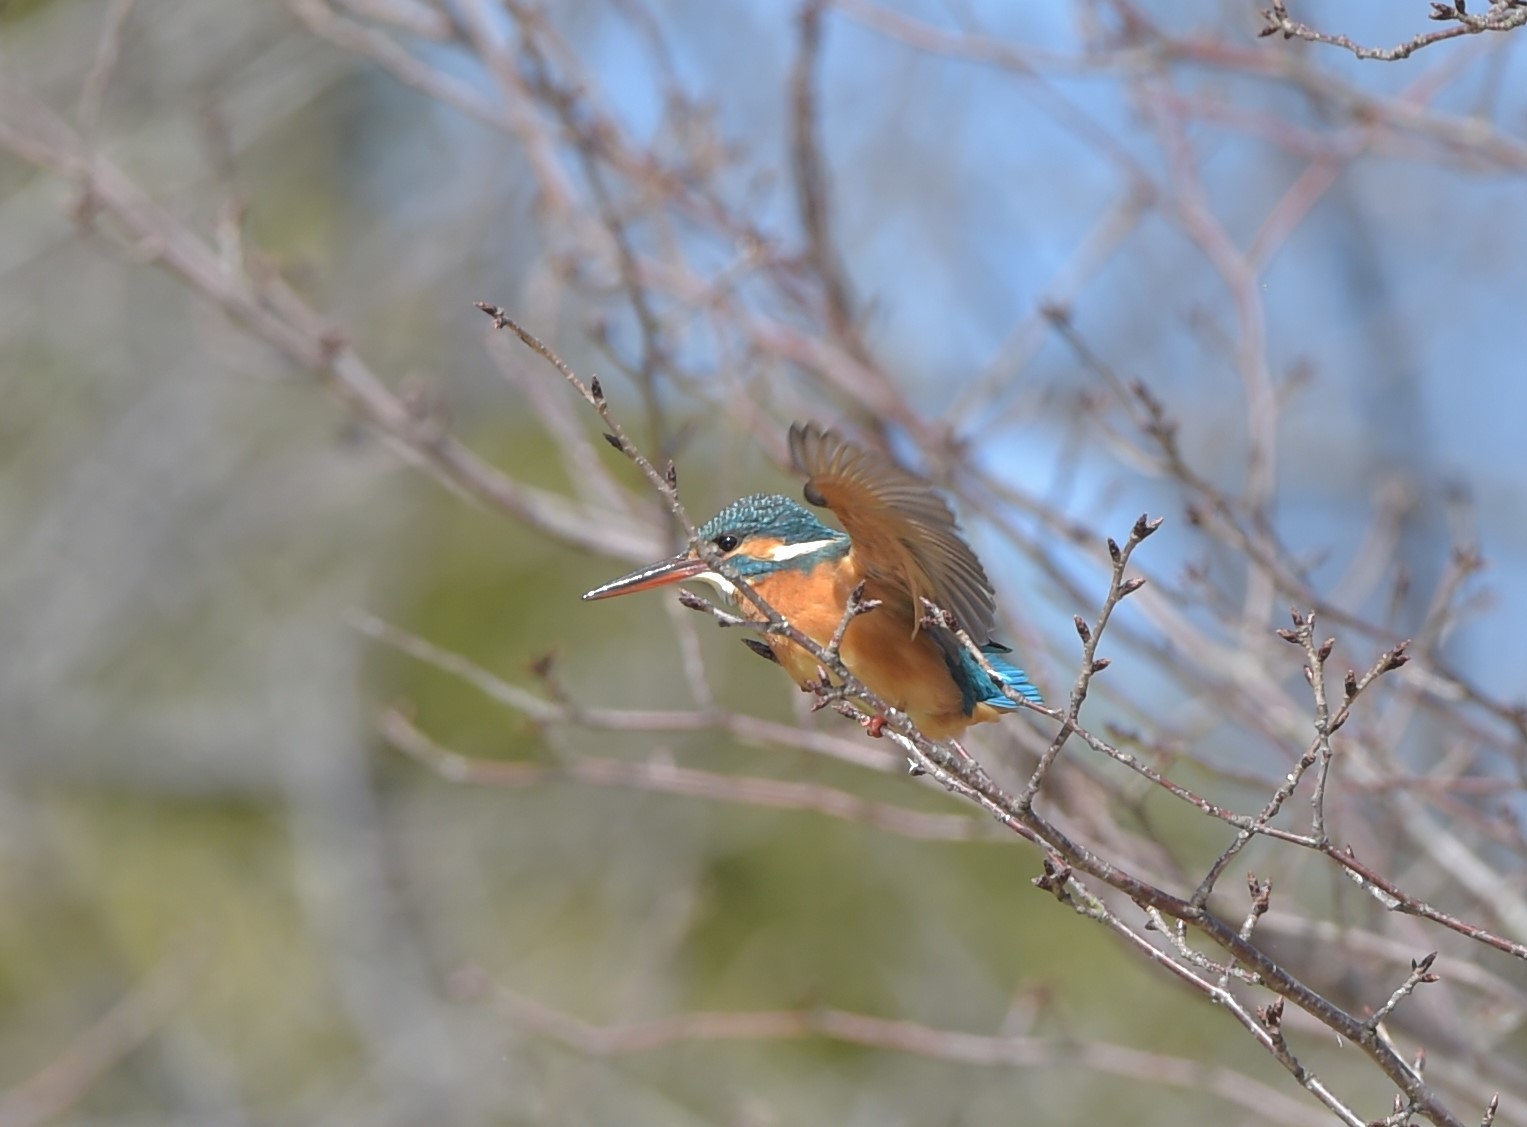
(901, 541)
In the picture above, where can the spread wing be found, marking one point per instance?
(902, 531)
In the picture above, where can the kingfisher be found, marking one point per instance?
(902, 542)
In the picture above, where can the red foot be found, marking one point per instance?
(875, 726)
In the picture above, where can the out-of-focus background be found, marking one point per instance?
(323, 799)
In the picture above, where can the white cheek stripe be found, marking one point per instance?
(791, 551)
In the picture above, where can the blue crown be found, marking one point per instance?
(768, 514)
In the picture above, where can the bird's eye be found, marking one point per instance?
(726, 542)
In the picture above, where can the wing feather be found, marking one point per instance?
(902, 531)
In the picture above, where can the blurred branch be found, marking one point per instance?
(136, 1017)
(662, 776)
(484, 28)
(974, 45)
(812, 189)
(321, 19)
(751, 731)
(108, 51)
(912, 1038)
(260, 300)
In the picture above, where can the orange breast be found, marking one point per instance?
(879, 648)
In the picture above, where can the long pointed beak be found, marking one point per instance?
(660, 574)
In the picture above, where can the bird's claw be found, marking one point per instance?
(822, 690)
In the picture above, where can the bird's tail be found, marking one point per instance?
(1010, 676)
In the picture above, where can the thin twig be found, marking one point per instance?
(1353, 688)
(1503, 15)
(1119, 588)
(1420, 972)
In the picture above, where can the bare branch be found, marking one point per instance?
(1503, 15)
(662, 776)
(137, 1016)
(875, 1032)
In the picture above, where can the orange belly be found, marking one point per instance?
(906, 671)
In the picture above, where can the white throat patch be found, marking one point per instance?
(721, 583)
